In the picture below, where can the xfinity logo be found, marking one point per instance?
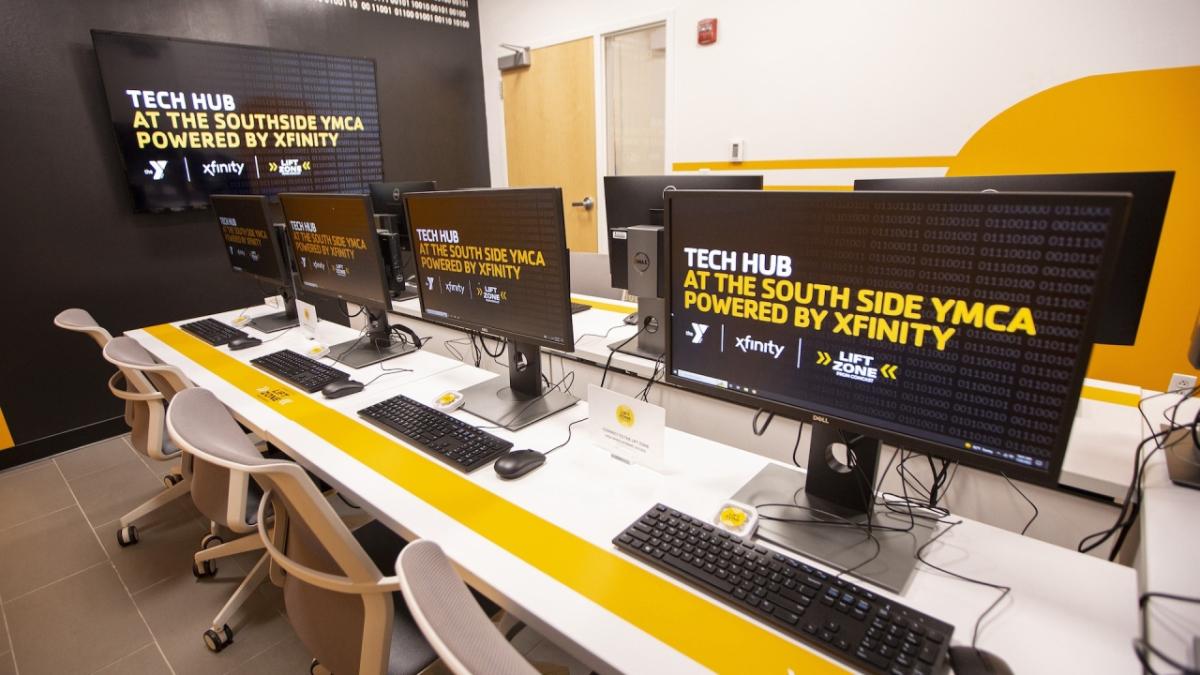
(158, 168)
(697, 332)
(454, 287)
(214, 168)
(747, 343)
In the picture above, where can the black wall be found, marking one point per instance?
(70, 238)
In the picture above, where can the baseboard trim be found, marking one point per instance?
(47, 446)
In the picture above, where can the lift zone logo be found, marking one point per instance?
(860, 367)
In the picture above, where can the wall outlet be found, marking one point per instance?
(1181, 382)
(737, 150)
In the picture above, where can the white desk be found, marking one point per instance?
(540, 546)
(1168, 555)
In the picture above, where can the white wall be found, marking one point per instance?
(801, 79)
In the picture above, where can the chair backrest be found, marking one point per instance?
(332, 590)
(80, 321)
(590, 275)
(148, 385)
(450, 617)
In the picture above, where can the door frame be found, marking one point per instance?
(599, 68)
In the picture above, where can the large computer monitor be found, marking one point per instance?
(336, 249)
(495, 262)
(388, 201)
(253, 243)
(953, 324)
(1121, 314)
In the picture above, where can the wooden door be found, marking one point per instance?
(550, 131)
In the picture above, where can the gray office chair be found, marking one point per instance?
(80, 321)
(462, 635)
(590, 276)
(149, 386)
(338, 601)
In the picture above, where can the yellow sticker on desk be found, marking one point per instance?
(731, 516)
(625, 416)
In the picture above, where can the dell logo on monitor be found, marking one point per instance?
(820, 418)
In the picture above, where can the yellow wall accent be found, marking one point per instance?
(1127, 398)
(720, 639)
(6, 439)
(1137, 121)
(823, 163)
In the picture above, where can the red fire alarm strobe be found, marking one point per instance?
(706, 31)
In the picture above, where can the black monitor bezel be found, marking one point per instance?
(477, 327)
(281, 261)
(1115, 329)
(384, 301)
(897, 439)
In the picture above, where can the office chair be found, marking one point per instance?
(149, 386)
(80, 321)
(339, 603)
(462, 635)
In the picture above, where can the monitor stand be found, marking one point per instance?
(520, 400)
(651, 342)
(377, 344)
(278, 321)
(840, 493)
(1183, 459)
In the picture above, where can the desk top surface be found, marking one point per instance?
(540, 546)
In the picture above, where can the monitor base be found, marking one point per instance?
(836, 545)
(360, 353)
(1183, 462)
(407, 294)
(272, 323)
(497, 402)
(635, 349)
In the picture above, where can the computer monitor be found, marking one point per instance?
(388, 201)
(1122, 312)
(495, 261)
(633, 206)
(953, 324)
(334, 243)
(252, 241)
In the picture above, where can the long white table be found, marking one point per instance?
(540, 546)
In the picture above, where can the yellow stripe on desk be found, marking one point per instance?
(1110, 396)
(623, 309)
(717, 638)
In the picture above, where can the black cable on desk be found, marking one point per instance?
(613, 350)
(1035, 508)
(1142, 647)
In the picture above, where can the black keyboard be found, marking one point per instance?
(308, 374)
(451, 440)
(577, 307)
(213, 332)
(868, 631)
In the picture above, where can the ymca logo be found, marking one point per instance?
(697, 332)
(747, 343)
(429, 283)
(158, 169)
(214, 168)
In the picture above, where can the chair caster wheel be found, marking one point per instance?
(204, 570)
(315, 668)
(172, 479)
(211, 540)
(216, 641)
(127, 536)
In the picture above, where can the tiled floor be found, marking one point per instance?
(73, 601)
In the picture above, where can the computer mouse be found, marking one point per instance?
(966, 660)
(518, 463)
(244, 343)
(342, 388)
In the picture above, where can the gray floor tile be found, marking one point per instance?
(31, 493)
(4, 646)
(113, 492)
(7, 667)
(76, 625)
(167, 538)
(45, 550)
(288, 657)
(94, 457)
(145, 661)
(547, 656)
(181, 608)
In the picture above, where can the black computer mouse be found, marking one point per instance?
(244, 343)
(342, 388)
(966, 660)
(518, 463)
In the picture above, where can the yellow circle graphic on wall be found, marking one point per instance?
(625, 416)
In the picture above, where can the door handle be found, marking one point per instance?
(587, 203)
